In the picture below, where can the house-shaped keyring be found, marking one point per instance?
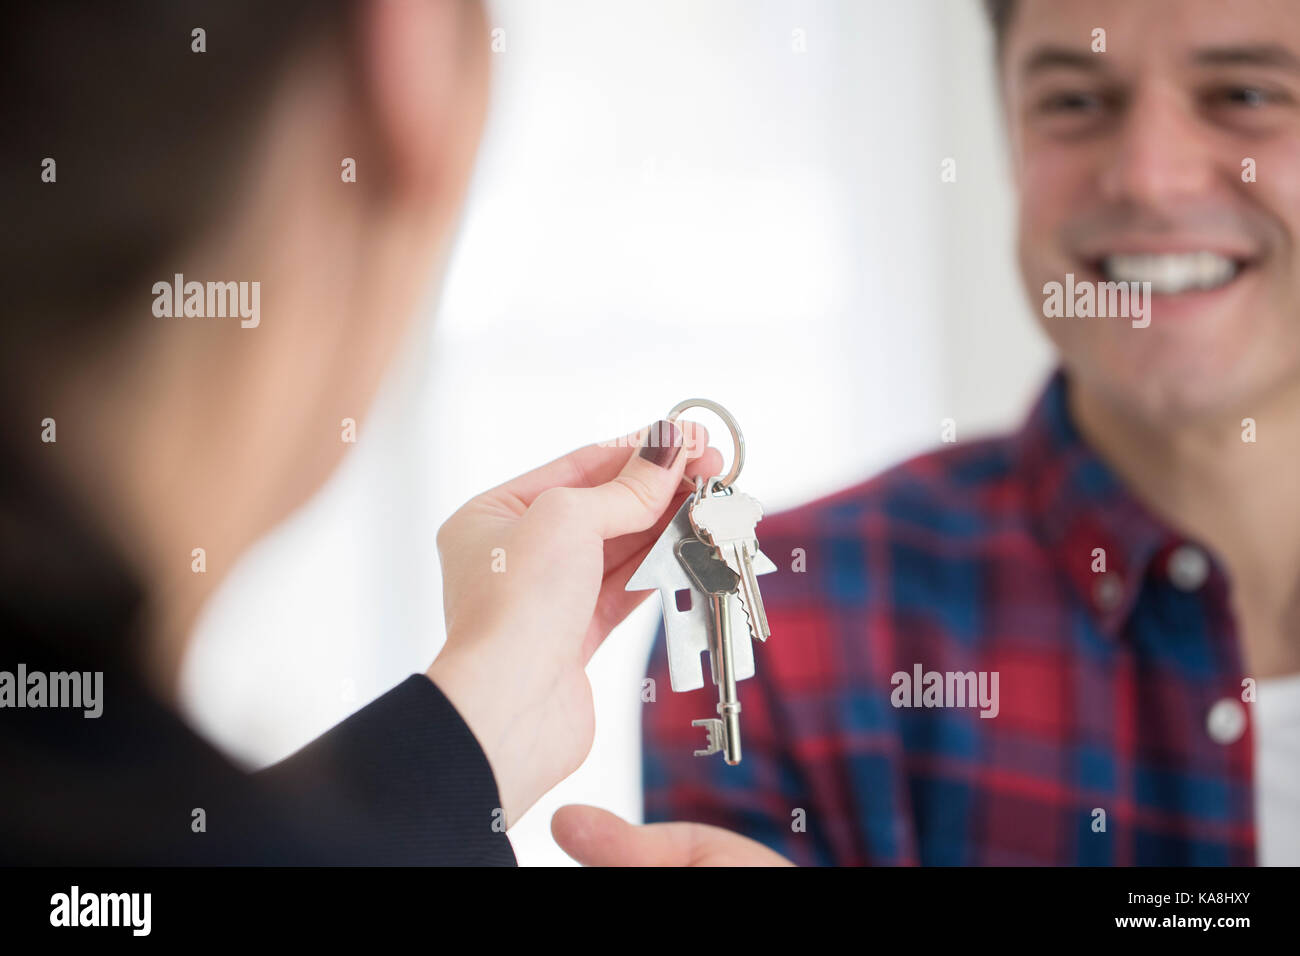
(686, 610)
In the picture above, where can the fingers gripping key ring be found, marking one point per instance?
(738, 459)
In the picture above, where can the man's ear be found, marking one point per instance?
(415, 69)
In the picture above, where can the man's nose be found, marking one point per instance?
(1163, 154)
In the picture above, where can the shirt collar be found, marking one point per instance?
(1083, 512)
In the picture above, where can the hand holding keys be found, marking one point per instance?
(710, 550)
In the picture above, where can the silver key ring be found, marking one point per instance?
(702, 488)
(738, 459)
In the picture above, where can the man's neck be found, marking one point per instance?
(1238, 497)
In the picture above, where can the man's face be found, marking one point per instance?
(1129, 167)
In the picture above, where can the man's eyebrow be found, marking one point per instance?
(1050, 57)
(1258, 54)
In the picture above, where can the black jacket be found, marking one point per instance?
(402, 781)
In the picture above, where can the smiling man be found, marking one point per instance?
(1127, 562)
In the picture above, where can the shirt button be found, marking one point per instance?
(1108, 592)
(1188, 567)
(1226, 721)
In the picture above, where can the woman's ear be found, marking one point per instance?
(423, 63)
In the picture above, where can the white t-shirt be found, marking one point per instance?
(1277, 771)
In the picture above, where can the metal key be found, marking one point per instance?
(727, 522)
(703, 572)
(716, 579)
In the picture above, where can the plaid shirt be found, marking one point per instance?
(1120, 735)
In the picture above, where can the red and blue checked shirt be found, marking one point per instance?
(983, 557)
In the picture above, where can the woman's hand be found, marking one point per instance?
(596, 837)
(533, 577)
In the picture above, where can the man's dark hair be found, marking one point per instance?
(1000, 13)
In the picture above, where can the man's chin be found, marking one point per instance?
(1214, 365)
(1170, 390)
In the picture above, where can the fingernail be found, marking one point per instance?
(662, 444)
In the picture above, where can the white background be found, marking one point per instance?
(671, 202)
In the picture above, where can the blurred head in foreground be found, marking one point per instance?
(221, 217)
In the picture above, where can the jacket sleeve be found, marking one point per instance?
(407, 771)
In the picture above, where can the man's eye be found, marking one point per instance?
(1070, 101)
(1245, 97)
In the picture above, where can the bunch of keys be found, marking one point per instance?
(710, 552)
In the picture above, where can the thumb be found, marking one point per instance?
(596, 837)
(636, 497)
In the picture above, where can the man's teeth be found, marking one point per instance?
(1172, 273)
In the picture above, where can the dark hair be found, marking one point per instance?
(148, 138)
(1000, 13)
